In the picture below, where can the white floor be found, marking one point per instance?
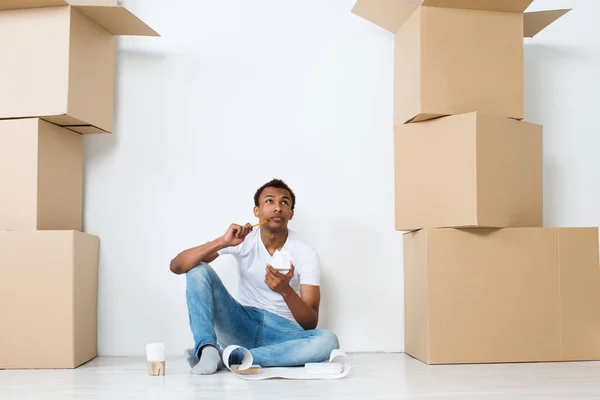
(373, 376)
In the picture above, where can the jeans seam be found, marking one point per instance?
(261, 324)
(256, 338)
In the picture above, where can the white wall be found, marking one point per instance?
(237, 92)
(562, 73)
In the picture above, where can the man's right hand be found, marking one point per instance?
(208, 252)
(236, 234)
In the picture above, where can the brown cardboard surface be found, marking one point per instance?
(482, 57)
(392, 14)
(38, 87)
(505, 295)
(70, 53)
(535, 22)
(93, 2)
(18, 174)
(106, 13)
(579, 292)
(48, 299)
(468, 170)
(21, 4)
(388, 14)
(509, 172)
(117, 20)
(87, 41)
(41, 176)
(416, 334)
(457, 56)
(85, 293)
(408, 71)
(514, 6)
(73, 124)
(85, 130)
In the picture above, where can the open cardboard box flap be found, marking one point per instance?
(391, 14)
(17, 4)
(515, 6)
(535, 22)
(115, 19)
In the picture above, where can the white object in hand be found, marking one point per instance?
(281, 261)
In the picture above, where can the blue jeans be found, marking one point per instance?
(271, 339)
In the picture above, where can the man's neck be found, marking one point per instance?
(273, 240)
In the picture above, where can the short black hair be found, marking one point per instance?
(275, 183)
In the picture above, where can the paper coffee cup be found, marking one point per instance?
(156, 358)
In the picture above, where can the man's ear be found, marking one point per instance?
(256, 211)
(292, 215)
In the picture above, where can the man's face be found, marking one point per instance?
(276, 205)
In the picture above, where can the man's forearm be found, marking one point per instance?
(306, 317)
(189, 258)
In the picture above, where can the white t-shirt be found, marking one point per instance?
(252, 259)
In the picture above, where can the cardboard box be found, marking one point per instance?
(457, 56)
(41, 176)
(468, 170)
(506, 295)
(59, 61)
(48, 299)
(93, 2)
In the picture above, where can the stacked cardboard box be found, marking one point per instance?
(484, 281)
(57, 79)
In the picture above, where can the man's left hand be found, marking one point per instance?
(278, 282)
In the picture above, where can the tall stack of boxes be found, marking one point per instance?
(484, 280)
(56, 84)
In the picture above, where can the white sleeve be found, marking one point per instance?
(233, 250)
(310, 271)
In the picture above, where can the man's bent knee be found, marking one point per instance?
(331, 341)
(327, 341)
(199, 270)
(203, 272)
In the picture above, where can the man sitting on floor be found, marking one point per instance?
(277, 313)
